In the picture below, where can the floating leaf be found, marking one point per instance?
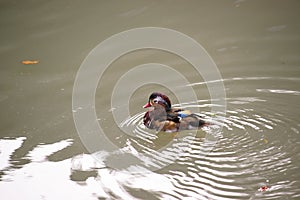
(265, 141)
(30, 62)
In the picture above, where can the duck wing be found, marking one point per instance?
(193, 120)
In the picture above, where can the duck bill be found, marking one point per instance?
(147, 105)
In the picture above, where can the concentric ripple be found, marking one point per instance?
(257, 147)
(252, 153)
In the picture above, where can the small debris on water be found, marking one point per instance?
(265, 141)
(263, 188)
(30, 62)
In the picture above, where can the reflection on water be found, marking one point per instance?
(249, 154)
(255, 46)
(43, 179)
(7, 148)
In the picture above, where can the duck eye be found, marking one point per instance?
(155, 101)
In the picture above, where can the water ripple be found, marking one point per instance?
(238, 165)
(254, 146)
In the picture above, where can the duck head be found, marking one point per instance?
(157, 100)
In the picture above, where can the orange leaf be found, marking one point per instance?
(30, 62)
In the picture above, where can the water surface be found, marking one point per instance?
(256, 47)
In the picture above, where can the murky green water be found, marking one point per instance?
(255, 45)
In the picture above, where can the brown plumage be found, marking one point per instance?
(165, 118)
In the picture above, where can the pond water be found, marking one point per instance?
(250, 153)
